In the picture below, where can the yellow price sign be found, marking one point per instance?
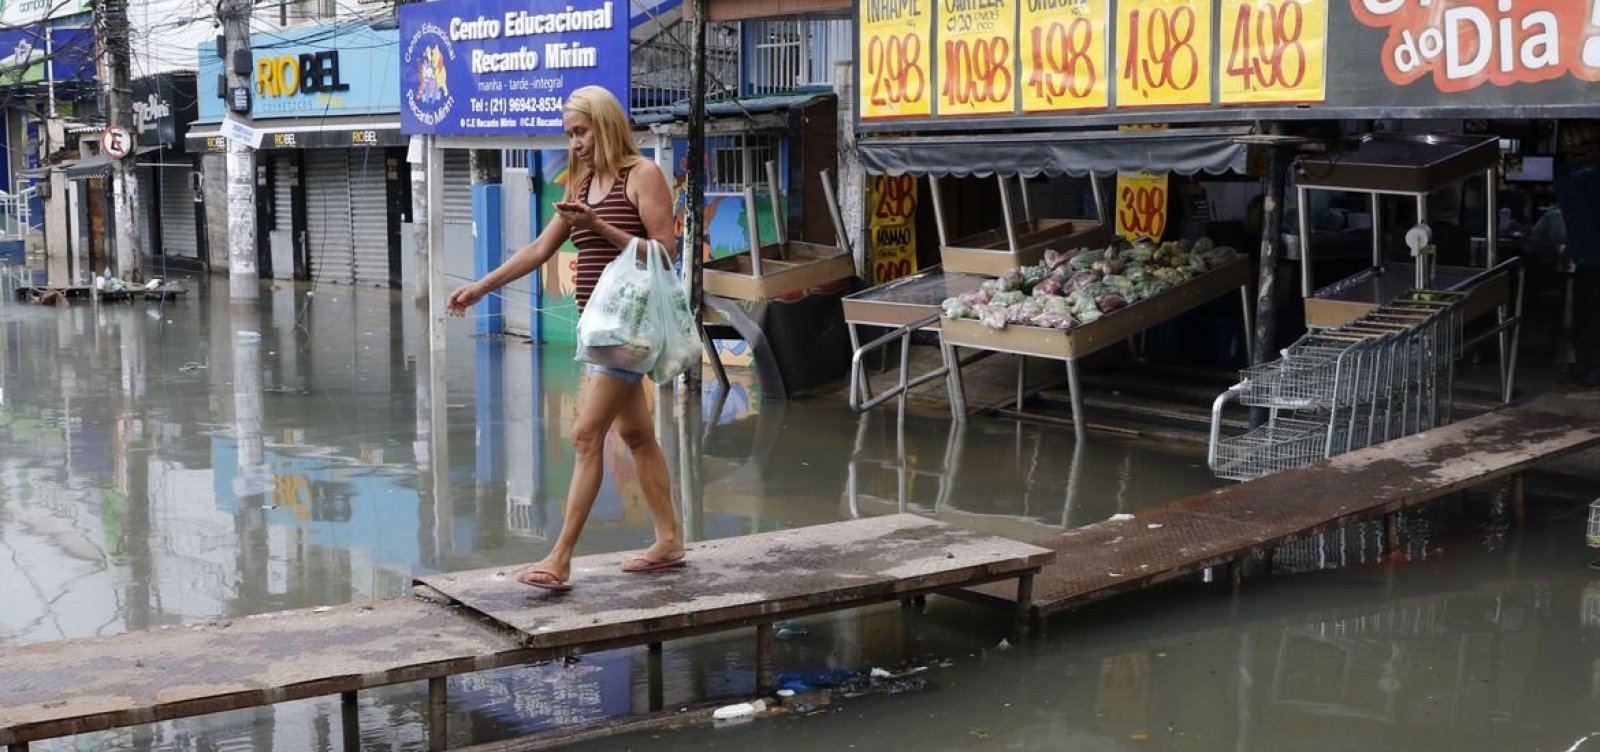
(1163, 52)
(896, 41)
(1064, 63)
(893, 227)
(978, 58)
(1274, 51)
(1141, 205)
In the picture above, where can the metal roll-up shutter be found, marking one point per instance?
(178, 236)
(283, 183)
(328, 216)
(148, 196)
(369, 216)
(457, 187)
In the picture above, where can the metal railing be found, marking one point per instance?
(661, 56)
(15, 214)
(784, 55)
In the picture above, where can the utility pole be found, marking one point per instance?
(243, 278)
(695, 202)
(114, 32)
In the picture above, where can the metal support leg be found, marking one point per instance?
(657, 682)
(958, 395)
(438, 717)
(1024, 613)
(1236, 575)
(1075, 387)
(1391, 530)
(763, 657)
(350, 714)
(1519, 498)
(717, 368)
(1022, 381)
(1249, 326)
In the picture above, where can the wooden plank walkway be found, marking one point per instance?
(1223, 526)
(70, 687)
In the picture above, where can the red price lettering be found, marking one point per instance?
(977, 70)
(1166, 37)
(1267, 52)
(897, 197)
(895, 65)
(1143, 211)
(1061, 62)
(883, 271)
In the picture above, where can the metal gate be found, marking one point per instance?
(178, 235)
(369, 217)
(328, 216)
(457, 187)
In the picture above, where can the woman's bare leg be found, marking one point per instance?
(637, 429)
(603, 398)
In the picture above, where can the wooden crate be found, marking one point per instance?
(1110, 329)
(989, 253)
(785, 270)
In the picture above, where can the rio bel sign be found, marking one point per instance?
(507, 66)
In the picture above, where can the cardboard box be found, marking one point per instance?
(786, 270)
(989, 253)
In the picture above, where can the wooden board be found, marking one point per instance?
(988, 253)
(751, 579)
(1110, 329)
(786, 270)
(76, 686)
(1108, 558)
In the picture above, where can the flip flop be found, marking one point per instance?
(642, 563)
(554, 584)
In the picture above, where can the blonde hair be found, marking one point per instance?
(614, 149)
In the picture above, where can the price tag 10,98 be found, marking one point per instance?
(1274, 51)
(1163, 52)
(896, 69)
(978, 59)
(1064, 56)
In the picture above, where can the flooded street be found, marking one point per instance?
(158, 468)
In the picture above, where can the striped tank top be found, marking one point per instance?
(594, 251)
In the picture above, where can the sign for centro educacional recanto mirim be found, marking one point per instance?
(486, 67)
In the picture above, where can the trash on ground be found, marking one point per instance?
(789, 631)
(192, 366)
(1121, 517)
(1004, 644)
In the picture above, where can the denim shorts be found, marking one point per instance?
(617, 373)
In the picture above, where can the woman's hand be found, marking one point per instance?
(579, 215)
(464, 297)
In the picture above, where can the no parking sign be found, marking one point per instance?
(116, 142)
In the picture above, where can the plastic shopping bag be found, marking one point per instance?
(619, 328)
(680, 338)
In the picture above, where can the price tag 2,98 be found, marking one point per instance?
(896, 54)
(1163, 52)
(1274, 51)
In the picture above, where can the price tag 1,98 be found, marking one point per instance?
(1163, 52)
(1274, 51)
(1064, 56)
(896, 68)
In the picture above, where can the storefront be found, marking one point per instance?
(332, 185)
(169, 220)
(1430, 136)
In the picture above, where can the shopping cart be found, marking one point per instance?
(1388, 374)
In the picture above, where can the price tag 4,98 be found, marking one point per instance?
(1274, 51)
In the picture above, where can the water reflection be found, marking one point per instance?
(158, 468)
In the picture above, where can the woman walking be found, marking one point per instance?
(614, 196)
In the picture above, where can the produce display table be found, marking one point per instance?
(904, 306)
(1081, 341)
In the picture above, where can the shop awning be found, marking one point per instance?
(1182, 150)
(96, 166)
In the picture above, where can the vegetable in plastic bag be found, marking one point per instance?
(1010, 297)
(956, 308)
(992, 316)
(1011, 280)
(1050, 286)
(976, 297)
(1110, 302)
(1077, 282)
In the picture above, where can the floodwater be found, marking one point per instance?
(157, 468)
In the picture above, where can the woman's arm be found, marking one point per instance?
(521, 263)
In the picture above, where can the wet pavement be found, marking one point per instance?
(157, 468)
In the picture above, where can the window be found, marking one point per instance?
(738, 161)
